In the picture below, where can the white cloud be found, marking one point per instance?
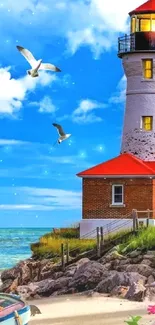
(39, 199)
(119, 96)
(12, 142)
(45, 105)
(84, 113)
(88, 37)
(34, 207)
(22, 207)
(14, 91)
(99, 23)
(95, 23)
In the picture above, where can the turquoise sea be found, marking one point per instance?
(15, 244)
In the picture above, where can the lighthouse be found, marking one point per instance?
(113, 188)
(137, 51)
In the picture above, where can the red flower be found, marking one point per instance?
(151, 309)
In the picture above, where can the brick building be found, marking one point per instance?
(115, 187)
(112, 189)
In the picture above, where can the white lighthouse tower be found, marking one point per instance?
(137, 52)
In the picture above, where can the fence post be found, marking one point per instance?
(102, 237)
(137, 226)
(134, 219)
(67, 252)
(148, 217)
(62, 256)
(98, 242)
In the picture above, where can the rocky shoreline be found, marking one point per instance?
(113, 274)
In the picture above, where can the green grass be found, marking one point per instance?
(49, 245)
(115, 235)
(145, 239)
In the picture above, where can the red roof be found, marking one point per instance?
(123, 165)
(148, 6)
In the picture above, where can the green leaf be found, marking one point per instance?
(133, 320)
(136, 318)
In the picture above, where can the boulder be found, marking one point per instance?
(134, 254)
(6, 285)
(112, 255)
(46, 270)
(71, 269)
(126, 261)
(150, 279)
(149, 254)
(116, 279)
(11, 274)
(146, 262)
(142, 269)
(21, 271)
(116, 263)
(28, 291)
(136, 292)
(57, 275)
(119, 291)
(87, 276)
(136, 260)
(47, 287)
(28, 271)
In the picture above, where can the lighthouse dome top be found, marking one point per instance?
(147, 7)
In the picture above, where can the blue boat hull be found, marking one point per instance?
(21, 316)
(24, 317)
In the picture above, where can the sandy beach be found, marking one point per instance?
(75, 310)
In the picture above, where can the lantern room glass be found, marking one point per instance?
(143, 23)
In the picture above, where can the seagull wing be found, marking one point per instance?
(59, 129)
(27, 55)
(49, 66)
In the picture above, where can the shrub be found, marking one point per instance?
(64, 233)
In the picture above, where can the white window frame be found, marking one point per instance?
(113, 192)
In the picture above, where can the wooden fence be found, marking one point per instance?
(102, 245)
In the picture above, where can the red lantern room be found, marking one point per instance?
(142, 30)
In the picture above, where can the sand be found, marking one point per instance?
(75, 310)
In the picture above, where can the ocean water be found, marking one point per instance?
(15, 244)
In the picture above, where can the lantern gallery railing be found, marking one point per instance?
(136, 42)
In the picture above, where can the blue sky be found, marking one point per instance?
(38, 183)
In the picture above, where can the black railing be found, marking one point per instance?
(136, 42)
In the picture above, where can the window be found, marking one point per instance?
(117, 194)
(133, 25)
(148, 68)
(153, 25)
(147, 123)
(145, 25)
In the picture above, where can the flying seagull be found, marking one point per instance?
(62, 135)
(36, 65)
